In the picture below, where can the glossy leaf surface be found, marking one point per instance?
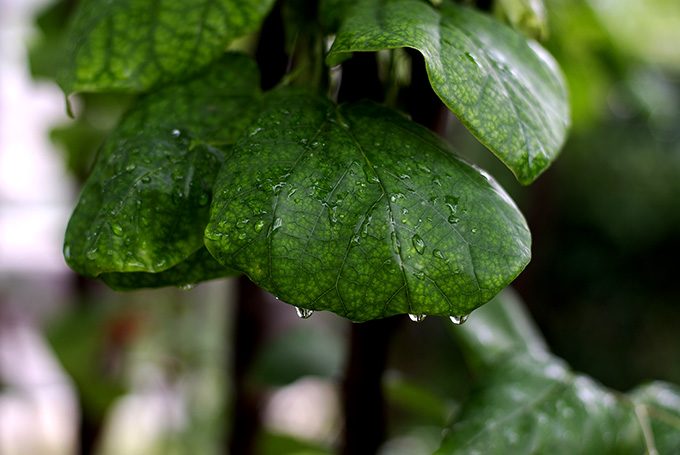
(146, 204)
(134, 45)
(508, 91)
(528, 401)
(357, 210)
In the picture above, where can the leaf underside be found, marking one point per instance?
(504, 88)
(357, 210)
(146, 203)
(134, 45)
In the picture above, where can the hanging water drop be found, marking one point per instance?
(303, 313)
(187, 287)
(460, 319)
(417, 317)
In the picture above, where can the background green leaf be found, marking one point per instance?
(359, 211)
(526, 400)
(146, 204)
(508, 91)
(134, 45)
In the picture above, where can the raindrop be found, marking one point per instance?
(92, 254)
(242, 224)
(453, 219)
(67, 251)
(117, 229)
(303, 313)
(417, 317)
(419, 275)
(438, 254)
(131, 167)
(422, 167)
(473, 230)
(242, 235)
(277, 224)
(187, 287)
(418, 243)
(292, 192)
(460, 319)
(176, 133)
(146, 179)
(258, 226)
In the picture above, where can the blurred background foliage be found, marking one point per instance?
(601, 286)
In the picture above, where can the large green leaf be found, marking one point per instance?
(146, 204)
(507, 90)
(528, 401)
(357, 210)
(133, 45)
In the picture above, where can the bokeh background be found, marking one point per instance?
(86, 370)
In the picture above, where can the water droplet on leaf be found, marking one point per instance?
(453, 219)
(117, 229)
(417, 317)
(418, 243)
(258, 226)
(130, 167)
(438, 254)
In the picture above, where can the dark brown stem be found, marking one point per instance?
(249, 327)
(364, 403)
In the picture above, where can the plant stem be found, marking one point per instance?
(248, 327)
(365, 418)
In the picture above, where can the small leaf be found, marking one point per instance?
(134, 45)
(506, 90)
(146, 204)
(357, 210)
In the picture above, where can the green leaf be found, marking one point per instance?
(134, 45)
(146, 204)
(502, 325)
(506, 90)
(357, 210)
(658, 409)
(529, 16)
(528, 401)
(534, 404)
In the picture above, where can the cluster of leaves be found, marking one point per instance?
(351, 208)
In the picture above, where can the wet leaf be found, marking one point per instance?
(134, 45)
(357, 210)
(146, 204)
(505, 89)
